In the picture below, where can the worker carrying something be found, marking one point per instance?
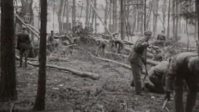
(23, 45)
(183, 67)
(156, 77)
(137, 58)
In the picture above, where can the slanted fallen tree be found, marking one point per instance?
(73, 71)
(153, 63)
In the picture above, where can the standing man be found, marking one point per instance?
(161, 38)
(23, 45)
(51, 41)
(137, 58)
(184, 66)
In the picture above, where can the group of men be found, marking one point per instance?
(172, 74)
(179, 70)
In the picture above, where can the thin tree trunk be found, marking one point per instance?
(164, 8)
(41, 88)
(122, 19)
(60, 15)
(8, 71)
(74, 13)
(110, 16)
(197, 12)
(106, 15)
(177, 18)
(67, 15)
(116, 14)
(87, 12)
(168, 24)
(64, 16)
(113, 14)
(173, 13)
(155, 15)
(95, 4)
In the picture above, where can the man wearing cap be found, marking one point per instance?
(137, 58)
(183, 67)
(23, 45)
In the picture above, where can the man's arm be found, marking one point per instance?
(141, 44)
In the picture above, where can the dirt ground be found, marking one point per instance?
(70, 93)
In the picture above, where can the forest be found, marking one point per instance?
(86, 68)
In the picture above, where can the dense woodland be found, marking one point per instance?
(76, 76)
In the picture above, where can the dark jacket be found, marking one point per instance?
(23, 40)
(183, 64)
(137, 54)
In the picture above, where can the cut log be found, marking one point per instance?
(75, 72)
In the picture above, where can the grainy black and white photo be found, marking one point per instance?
(99, 55)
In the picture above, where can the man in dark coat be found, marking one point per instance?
(183, 67)
(23, 45)
(137, 58)
(51, 41)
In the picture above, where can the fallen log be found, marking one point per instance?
(108, 60)
(153, 63)
(75, 72)
(149, 54)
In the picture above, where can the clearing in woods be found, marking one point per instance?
(67, 92)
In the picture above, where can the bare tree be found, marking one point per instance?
(61, 4)
(87, 12)
(8, 71)
(168, 24)
(41, 88)
(155, 15)
(122, 19)
(74, 13)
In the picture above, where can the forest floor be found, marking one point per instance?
(66, 92)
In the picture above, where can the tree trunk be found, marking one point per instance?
(155, 15)
(67, 15)
(114, 14)
(95, 16)
(164, 8)
(122, 19)
(177, 18)
(110, 16)
(173, 13)
(8, 71)
(168, 24)
(61, 4)
(41, 88)
(87, 12)
(106, 15)
(63, 17)
(197, 12)
(74, 13)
